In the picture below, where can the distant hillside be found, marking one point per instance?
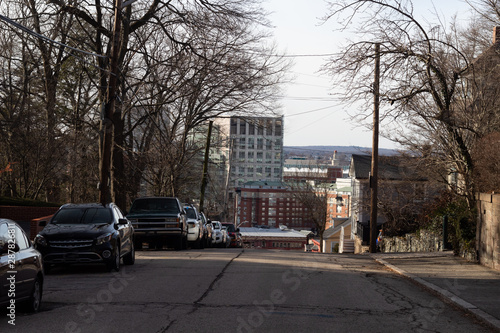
(327, 150)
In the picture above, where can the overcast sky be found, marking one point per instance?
(312, 116)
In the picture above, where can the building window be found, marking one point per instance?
(260, 143)
(268, 157)
(234, 126)
(260, 127)
(278, 127)
(277, 158)
(251, 143)
(251, 129)
(277, 144)
(269, 127)
(242, 143)
(269, 144)
(243, 127)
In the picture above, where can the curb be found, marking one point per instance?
(489, 319)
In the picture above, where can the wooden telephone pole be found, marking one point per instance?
(374, 167)
(204, 178)
(109, 109)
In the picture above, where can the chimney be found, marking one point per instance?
(496, 34)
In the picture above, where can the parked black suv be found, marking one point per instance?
(159, 221)
(87, 233)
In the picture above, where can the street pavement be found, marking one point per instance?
(473, 287)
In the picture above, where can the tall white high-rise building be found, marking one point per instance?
(254, 149)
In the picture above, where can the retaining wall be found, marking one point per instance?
(425, 241)
(488, 230)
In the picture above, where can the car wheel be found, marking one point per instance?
(35, 300)
(114, 263)
(129, 258)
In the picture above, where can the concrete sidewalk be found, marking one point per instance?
(473, 287)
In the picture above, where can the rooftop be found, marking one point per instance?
(271, 233)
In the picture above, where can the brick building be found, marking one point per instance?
(272, 204)
(269, 204)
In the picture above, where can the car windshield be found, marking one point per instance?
(155, 205)
(81, 215)
(229, 227)
(190, 213)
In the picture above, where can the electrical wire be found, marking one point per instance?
(316, 99)
(37, 35)
(302, 55)
(310, 111)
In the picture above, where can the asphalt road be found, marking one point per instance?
(236, 290)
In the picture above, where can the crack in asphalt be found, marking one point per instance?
(196, 303)
(217, 278)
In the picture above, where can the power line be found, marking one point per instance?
(312, 98)
(310, 111)
(37, 35)
(314, 122)
(302, 55)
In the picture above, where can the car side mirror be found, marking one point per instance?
(122, 221)
(237, 229)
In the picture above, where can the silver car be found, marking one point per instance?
(21, 271)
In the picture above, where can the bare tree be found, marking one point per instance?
(180, 65)
(424, 76)
(307, 186)
(210, 41)
(32, 134)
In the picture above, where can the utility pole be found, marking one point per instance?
(109, 109)
(374, 167)
(204, 178)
